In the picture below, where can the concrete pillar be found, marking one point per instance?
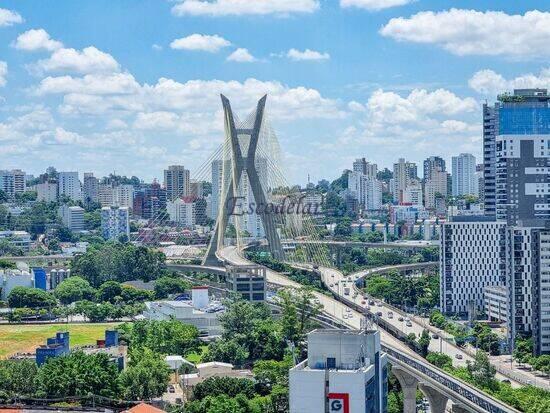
(409, 385)
(437, 400)
(460, 408)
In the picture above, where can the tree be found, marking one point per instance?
(269, 373)
(227, 351)
(482, 371)
(163, 337)
(301, 305)
(166, 286)
(74, 289)
(133, 295)
(343, 228)
(109, 291)
(17, 377)
(523, 349)
(440, 360)
(30, 298)
(146, 376)
(78, 374)
(229, 386)
(424, 342)
(219, 404)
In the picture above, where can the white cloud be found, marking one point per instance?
(241, 55)
(243, 7)
(306, 55)
(156, 47)
(488, 82)
(471, 32)
(373, 4)
(9, 18)
(3, 73)
(203, 42)
(36, 39)
(93, 84)
(89, 60)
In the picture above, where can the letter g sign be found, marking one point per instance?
(338, 403)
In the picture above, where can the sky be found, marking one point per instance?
(132, 86)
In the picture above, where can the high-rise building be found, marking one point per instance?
(149, 201)
(182, 211)
(480, 183)
(364, 167)
(13, 182)
(345, 370)
(72, 217)
(523, 157)
(413, 194)
(516, 156)
(196, 188)
(115, 222)
(19, 181)
(68, 185)
(435, 188)
(366, 190)
(403, 173)
(90, 188)
(464, 178)
(123, 195)
(46, 191)
(176, 182)
(472, 257)
(528, 282)
(431, 164)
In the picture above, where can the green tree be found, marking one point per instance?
(482, 371)
(74, 289)
(78, 374)
(17, 377)
(229, 386)
(269, 373)
(227, 351)
(166, 286)
(440, 360)
(424, 342)
(163, 337)
(110, 291)
(30, 298)
(146, 376)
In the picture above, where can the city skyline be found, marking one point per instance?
(77, 95)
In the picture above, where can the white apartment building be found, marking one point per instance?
(436, 185)
(472, 257)
(182, 211)
(364, 167)
(403, 173)
(413, 194)
(464, 177)
(366, 190)
(496, 303)
(176, 182)
(120, 195)
(46, 192)
(68, 185)
(115, 222)
(19, 239)
(72, 217)
(345, 370)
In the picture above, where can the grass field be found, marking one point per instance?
(25, 338)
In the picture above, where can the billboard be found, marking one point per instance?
(338, 403)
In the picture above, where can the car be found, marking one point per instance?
(363, 302)
(371, 302)
(345, 316)
(400, 318)
(390, 314)
(379, 313)
(348, 310)
(350, 315)
(379, 304)
(407, 319)
(331, 285)
(409, 324)
(458, 356)
(435, 336)
(171, 389)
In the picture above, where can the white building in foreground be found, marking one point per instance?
(199, 312)
(344, 369)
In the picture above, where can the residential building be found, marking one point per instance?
(68, 185)
(472, 257)
(123, 195)
(480, 183)
(18, 239)
(496, 303)
(528, 281)
(364, 167)
(413, 194)
(46, 191)
(435, 187)
(149, 201)
(366, 190)
(176, 182)
(7, 184)
(247, 280)
(19, 181)
(115, 222)
(464, 178)
(196, 188)
(403, 173)
(182, 211)
(407, 213)
(90, 188)
(345, 371)
(516, 156)
(431, 164)
(72, 217)
(12, 278)
(105, 195)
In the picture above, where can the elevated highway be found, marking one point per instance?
(411, 370)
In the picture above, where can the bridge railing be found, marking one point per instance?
(464, 389)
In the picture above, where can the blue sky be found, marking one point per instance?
(132, 86)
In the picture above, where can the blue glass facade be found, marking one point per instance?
(39, 278)
(524, 120)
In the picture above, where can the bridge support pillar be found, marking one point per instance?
(460, 408)
(437, 400)
(409, 385)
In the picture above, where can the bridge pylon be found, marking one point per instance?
(243, 140)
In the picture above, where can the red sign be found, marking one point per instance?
(338, 403)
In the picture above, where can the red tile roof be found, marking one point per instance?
(144, 408)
